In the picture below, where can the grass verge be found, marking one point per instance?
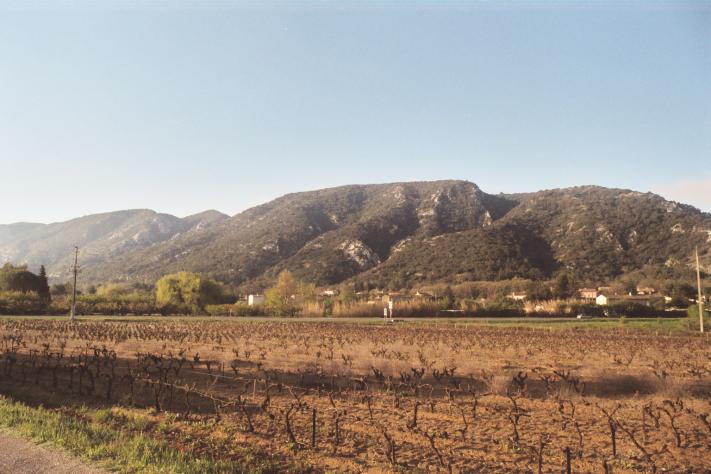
(111, 448)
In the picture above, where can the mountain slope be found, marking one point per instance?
(387, 234)
(592, 232)
(501, 251)
(325, 236)
(10, 232)
(100, 237)
(598, 232)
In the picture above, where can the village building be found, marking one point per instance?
(646, 291)
(424, 295)
(588, 293)
(372, 294)
(396, 297)
(518, 295)
(647, 299)
(254, 300)
(604, 300)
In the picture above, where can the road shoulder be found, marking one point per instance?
(20, 456)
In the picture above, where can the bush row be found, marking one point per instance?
(29, 303)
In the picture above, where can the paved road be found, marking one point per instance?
(18, 456)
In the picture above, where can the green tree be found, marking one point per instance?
(397, 283)
(328, 306)
(306, 291)
(448, 298)
(538, 291)
(563, 287)
(43, 287)
(18, 278)
(211, 292)
(281, 299)
(59, 289)
(114, 290)
(680, 289)
(182, 288)
(189, 289)
(347, 295)
(629, 286)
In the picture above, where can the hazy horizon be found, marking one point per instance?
(185, 106)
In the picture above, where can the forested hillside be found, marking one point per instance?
(590, 232)
(393, 235)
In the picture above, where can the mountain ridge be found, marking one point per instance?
(388, 233)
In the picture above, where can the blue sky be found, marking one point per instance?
(186, 106)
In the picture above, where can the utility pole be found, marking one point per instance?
(75, 269)
(700, 300)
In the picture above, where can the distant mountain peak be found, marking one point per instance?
(208, 214)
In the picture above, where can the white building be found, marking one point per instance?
(518, 295)
(601, 300)
(253, 300)
(588, 293)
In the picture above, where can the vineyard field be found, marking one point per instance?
(316, 396)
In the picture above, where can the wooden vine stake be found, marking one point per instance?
(313, 428)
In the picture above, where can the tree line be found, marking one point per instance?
(24, 292)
